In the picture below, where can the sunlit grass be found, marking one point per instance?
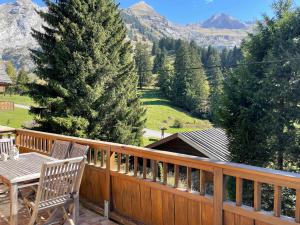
(161, 113)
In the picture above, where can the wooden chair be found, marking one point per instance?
(78, 150)
(60, 149)
(58, 192)
(6, 145)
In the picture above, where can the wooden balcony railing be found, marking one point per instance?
(138, 185)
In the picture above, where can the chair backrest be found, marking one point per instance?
(59, 183)
(78, 150)
(6, 145)
(60, 149)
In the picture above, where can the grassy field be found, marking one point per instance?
(24, 100)
(15, 118)
(161, 113)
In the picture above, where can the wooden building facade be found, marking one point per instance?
(5, 81)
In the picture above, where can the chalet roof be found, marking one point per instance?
(212, 142)
(4, 79)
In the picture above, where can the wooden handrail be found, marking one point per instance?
(112, 153)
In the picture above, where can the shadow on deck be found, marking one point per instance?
(87, 217)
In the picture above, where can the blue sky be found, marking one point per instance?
(189, 11)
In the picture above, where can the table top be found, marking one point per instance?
(26, 168)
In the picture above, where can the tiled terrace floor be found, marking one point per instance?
(86, 217)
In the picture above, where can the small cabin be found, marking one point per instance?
(5, 81)
(211, 143)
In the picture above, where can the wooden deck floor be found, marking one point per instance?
(86, 217)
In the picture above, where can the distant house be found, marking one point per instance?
(4, 79)
(211, 143)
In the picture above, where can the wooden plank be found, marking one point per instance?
(194, 213)
(241, 220)
(93, 189)
(207, 214)
(218, 196)
(146, 210)
(239, 191)
(156, 207)
(277, 201)
(128, 189)
(168, 208)
(229, 218)
(181, 210)
(257, 196)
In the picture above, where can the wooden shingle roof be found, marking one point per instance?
(212, 142)
(4, 78)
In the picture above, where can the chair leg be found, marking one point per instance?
(75, 211)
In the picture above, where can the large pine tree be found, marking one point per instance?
(88, 88)
(190, 87)
(260, 108)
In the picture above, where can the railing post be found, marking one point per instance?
(218, 196)
(110, 157)
(17, 138)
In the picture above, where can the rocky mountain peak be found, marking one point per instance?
(223, 21)
(142, 8)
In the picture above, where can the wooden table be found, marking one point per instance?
(15, 172)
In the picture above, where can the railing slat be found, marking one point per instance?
(119, 162)
(277, 201)
(165, 178)
(202, 182)
(154, 170)
(239, 191)
(257, 196)
(189, 178)
(135, 164)
(218, 196)
(144, 168)
(127, 164)
(297, 212)
(176, 176)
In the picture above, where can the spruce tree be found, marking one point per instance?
(12, 73)
(143, 65)
(22, 82)
(165, 74)
(190, 88)
(260, 106)
(215, 79)
(88, 88)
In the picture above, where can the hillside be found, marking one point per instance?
(143, 23)
(161, 113)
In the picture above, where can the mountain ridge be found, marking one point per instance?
(142, 21)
